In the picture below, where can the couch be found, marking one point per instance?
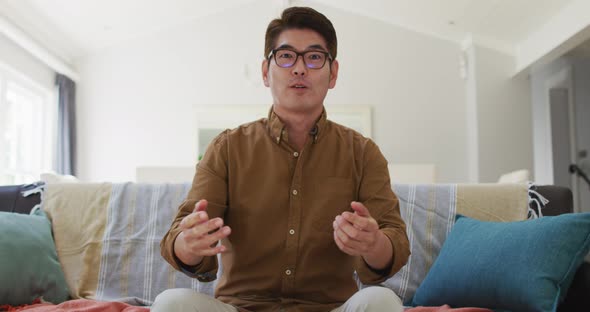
(106, 239)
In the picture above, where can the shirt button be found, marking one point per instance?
(291, 231)
(288, 272)
(294, 192)
(295, 154)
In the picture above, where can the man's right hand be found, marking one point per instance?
(199, 236)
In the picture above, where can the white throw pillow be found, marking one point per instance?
(52, 177)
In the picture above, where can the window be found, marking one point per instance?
(28, 119)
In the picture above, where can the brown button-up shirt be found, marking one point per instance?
(280, 204)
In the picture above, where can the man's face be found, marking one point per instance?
(299, 88)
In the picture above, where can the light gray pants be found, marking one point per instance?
(370, 299)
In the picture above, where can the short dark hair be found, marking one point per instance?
(301, 18)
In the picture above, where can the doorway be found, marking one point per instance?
(561, 133)
(563, 139)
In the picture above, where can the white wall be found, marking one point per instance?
(413, 84)
(469, 63)
(504, 122)
(136, 99)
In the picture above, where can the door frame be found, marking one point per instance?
(563, 78)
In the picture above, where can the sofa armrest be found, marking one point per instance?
(577, 298)
(560, 199)
(11, 199)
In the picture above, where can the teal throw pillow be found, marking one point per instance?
(29, 267)
(516, 266)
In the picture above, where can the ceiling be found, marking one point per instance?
(74, 28)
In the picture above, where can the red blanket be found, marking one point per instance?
(85, 305)
(446, 308)
(78, 305)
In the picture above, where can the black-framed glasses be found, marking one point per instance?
(313, 59)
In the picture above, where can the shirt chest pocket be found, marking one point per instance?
(329, 197)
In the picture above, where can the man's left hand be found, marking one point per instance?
(358, 234)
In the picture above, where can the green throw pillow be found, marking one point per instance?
(516, 266)
(29, 268)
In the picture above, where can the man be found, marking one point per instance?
(297, 202)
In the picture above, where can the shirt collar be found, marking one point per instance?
(278, 131)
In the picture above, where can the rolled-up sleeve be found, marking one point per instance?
(376, 194)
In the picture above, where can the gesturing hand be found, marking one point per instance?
(199, 236)
(358, 234)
